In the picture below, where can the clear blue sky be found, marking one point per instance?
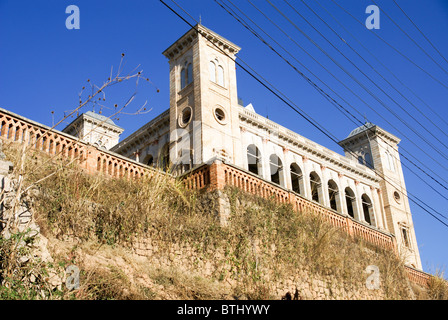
(43, 66)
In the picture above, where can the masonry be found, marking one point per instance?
(205, 178)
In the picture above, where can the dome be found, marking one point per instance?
(99, 117)
(362, 128)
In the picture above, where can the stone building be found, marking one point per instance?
(205, 122)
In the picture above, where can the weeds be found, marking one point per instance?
(265, 243)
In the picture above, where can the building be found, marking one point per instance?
(205, 121)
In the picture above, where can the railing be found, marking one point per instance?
(419, 277)
(219, 175)
(94, 160)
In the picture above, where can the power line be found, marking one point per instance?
(335, 103)
(413, 41)
(395, 77)
(429, 41)
(320, 129)
(351, 76)
(330, 99)
(395, 49)
(378, 73)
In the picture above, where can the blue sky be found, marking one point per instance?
(43, 67)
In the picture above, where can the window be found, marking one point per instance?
(390, 162)
(253, 159)
(350, 200)
(360, 160)
(221, 76)
(332, 194)
(296, 178)
(183, 78)
(189, 73)
(216, 72)
(212, 71)
(185, 117)
(150, 160)
(367, 208)
(315, 187)
(368, 160)
(405, 236)
(275, 165)
(186, 75)
(164, 158)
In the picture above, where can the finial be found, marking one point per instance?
(200, 19)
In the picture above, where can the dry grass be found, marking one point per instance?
(266, 242)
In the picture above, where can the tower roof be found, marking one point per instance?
(360, 129)
(373, 129)
(190, 36)
(100, 117)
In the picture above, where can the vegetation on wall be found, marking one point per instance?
(264, 244)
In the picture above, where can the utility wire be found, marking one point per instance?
(385, 67)
(378, 73)
(333, 101)
(395, 49)
(429, 41)
(410, 38)
(352, 77)
(320, 129)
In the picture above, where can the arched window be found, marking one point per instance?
(220, 76)
(360, 160)
(316, 187)
(368, 160)
(186, 75)
(296, 178)
(332, 194)
(350, 201)
(367, 208)
(189, 73)
(183, 78)
(276, 167)
(149, 160)
(253, 159)
(390, 161)
(212, 71)
(164, 157)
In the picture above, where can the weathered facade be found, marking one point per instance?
(205, 121)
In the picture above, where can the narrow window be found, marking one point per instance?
(150, 160)
(366, 208)
(360, 160)
(189, 73)
(182, 78)
(212, 71)
(296, 177)
(332, 194)
(350, 201)
(315, 187)
(368, 160)
(253, 159)
(404, 233)
(220, 76)
(276, 167)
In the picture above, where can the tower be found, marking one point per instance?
(95, 129)
(203, 98)
(378, 149)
